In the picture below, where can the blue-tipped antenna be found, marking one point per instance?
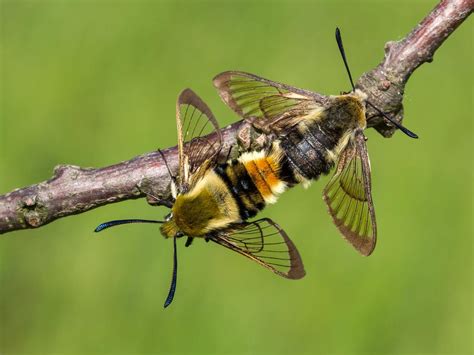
(343, 54)
(174, 278)
(118, 222)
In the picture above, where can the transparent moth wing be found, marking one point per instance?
(271, 106)
(194, 122)
(266, 243)
(349, 199)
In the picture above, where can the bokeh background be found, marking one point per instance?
(92, 83)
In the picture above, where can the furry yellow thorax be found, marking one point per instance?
(356, 103)
(206, 207)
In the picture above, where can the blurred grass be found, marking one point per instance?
(95, 82)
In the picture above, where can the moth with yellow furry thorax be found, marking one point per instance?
(213, 200)
(315, 132)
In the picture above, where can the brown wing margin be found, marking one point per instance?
(266, 243)
(194, 121)
(349, 198)
(270, 105)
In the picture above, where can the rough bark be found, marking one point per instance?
(385, 84)
(74, 190)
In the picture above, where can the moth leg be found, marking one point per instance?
(174, 180)
(156, 201)
(228, 153)
(189, 241)
(210, 236)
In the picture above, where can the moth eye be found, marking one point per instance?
(179, 235)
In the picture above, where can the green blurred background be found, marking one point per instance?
(92, 83)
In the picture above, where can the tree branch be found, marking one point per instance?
(385, 84)
(74, 190)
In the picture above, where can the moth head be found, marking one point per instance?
(170, 229)
(354, 90)
(191, 214)
(359, 95)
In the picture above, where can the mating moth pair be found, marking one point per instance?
(216, 199)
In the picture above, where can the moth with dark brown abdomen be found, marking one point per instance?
(214, 200)
(316, 132)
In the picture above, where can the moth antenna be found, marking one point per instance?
(228, 154)
(343, 54)
(174, 278)
(395, 123)
(173, 178)
(166, 163)
(118, 222)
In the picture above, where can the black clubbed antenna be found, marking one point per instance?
(174, 278)
(343, 54)
(395, 123)
(118, 222)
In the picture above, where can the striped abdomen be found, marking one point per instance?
(254, 180)
(308, 149)
(313, 146)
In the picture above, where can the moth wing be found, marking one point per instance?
(199, 136)
(266, 243)
(271, 106)
(349, 199)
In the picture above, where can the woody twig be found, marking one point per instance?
(74, 190)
